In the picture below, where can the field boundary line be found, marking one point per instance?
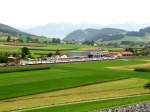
(78, 102)
(83, 85)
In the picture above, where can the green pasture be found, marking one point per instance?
(63, 76)
(94, 106)
(10, 69)
(41, 49)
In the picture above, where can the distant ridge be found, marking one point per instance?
(95, 34)
(61, 30)
(109, 35)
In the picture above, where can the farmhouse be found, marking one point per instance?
(126, 53)
(120, 54)
(13, 60)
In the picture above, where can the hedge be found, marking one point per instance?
(146, 69)
(8, 69)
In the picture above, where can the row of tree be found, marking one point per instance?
(31, 40)
(50, 54)
(139, 52)
(25, 53)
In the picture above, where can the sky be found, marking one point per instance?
(39, 12)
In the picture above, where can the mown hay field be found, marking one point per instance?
(94, 106)
(110, 89)
(65, 76)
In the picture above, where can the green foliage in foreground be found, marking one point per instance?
(9, 69)
(95, 106)
(63, 76)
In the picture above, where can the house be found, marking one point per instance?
(126, 53)
(95, 54)
(13, 60)
(119, 54)
(63, 56)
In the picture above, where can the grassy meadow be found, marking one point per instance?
(43, 49)
(71, 79)
(105, 90)
(93, 106)
(38, 50)
(10, 69)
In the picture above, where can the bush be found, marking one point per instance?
(9, 69)
(146, 69)
(4, 57)
(56, 40)
(24, 52)
(147, 86)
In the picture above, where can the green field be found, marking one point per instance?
(143, 69)
(10, 69)
(93, 106)
(38, 50)
(41, 49)
(118, 88)
(63, 76)
(144, 39)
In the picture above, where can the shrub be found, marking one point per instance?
(146, 69)
(4, 57)
(147, 86)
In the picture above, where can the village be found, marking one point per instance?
(72, 56)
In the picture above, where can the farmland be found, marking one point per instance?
(93, 106)
(96, 91)
(76, 81)
(143, 69)
(41, 49)
(74, 56)
(10, 69)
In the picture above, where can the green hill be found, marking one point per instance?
(95, 34)
(16, 34)
(10, 30)
(110, 35)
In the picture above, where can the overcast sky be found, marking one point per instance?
(39, 12)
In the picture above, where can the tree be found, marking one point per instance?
(28, 39)
(20, 40)
(50, 54)
(35, 40)
(24, 52)
(57, 52)
(147, 86)
(56, 40)
(4, 57)
(129, 49)
(88, 42)
(90, 56)
(8, 38)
